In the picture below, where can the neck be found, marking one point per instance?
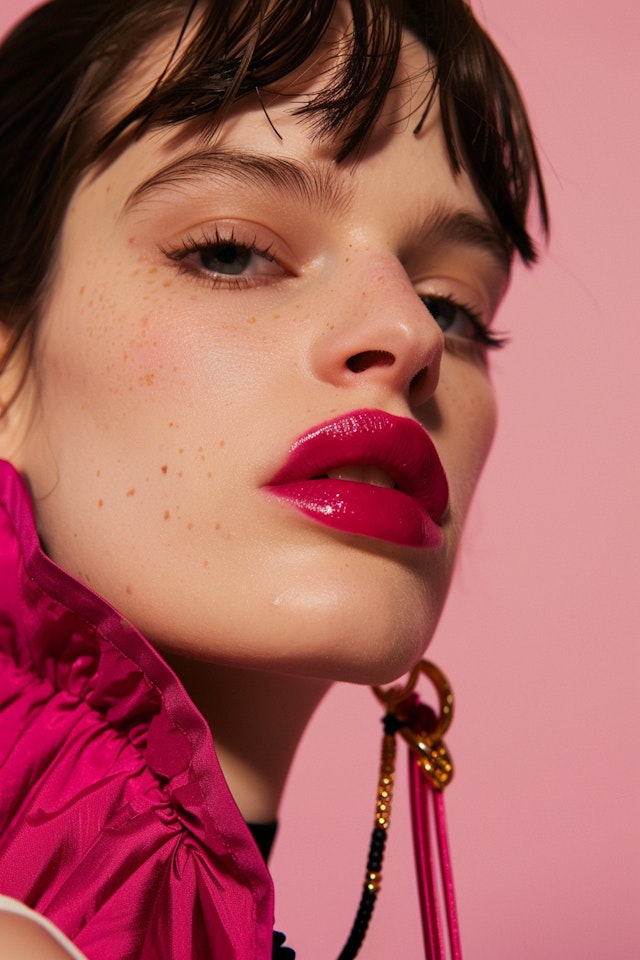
(257, 720)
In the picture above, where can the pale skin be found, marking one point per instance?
(164, 396)
(22, 937)
(20, 934)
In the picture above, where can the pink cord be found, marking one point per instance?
(425, 868)
(428, 818)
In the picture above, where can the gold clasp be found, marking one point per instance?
(427, 744)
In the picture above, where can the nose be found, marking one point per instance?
(377, 332)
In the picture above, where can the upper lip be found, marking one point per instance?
(397, 445)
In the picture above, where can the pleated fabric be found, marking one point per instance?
(116, 822)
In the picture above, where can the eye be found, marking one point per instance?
(453, 318)
(224, 259)
(229, 259)
(461, 322)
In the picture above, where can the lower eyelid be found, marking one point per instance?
(474, 350)
(221, 281)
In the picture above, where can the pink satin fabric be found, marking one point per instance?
(115, 819)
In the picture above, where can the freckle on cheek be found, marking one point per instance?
(130, 493)
(100, 503)
(167, 515)
(129, 589)
(164, 468)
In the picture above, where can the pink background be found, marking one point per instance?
(540, 636)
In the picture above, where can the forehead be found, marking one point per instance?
(264, 142)
(182, 72)
(271, 115)
(171, 52)
(271, 120)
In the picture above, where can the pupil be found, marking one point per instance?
(442, 311)
(227, 258)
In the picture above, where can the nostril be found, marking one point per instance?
(360, 362)
(418, 380)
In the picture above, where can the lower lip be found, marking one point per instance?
(365, 510)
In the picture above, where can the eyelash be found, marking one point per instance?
(484, 337)
(189, 245)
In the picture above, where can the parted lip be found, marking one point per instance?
(372, 438)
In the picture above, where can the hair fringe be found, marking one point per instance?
(60, 67)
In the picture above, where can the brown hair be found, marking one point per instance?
(59, 65)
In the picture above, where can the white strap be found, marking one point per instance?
(9, 905)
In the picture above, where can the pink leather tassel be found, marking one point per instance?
(431, 844)
(430, 770)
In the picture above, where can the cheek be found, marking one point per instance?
(137, 376)
(120, 337)
(469, 415)
(111, 355)
(107, 387)
(152, 339)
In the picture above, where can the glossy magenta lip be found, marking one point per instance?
(408, 515)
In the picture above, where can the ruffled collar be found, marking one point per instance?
(52, 624)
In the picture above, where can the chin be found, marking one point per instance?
(354, 646)
(377, 641)
(375, 647)
(366, 619)
(380, 666)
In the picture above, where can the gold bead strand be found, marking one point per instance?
(373, 876)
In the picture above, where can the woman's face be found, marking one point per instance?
(211, 307)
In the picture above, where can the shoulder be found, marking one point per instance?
(24, 933)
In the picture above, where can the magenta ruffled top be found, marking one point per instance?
(115, 819)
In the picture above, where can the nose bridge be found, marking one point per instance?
(379, 329)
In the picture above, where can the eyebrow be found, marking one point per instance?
(464, 228)
(317, 185)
